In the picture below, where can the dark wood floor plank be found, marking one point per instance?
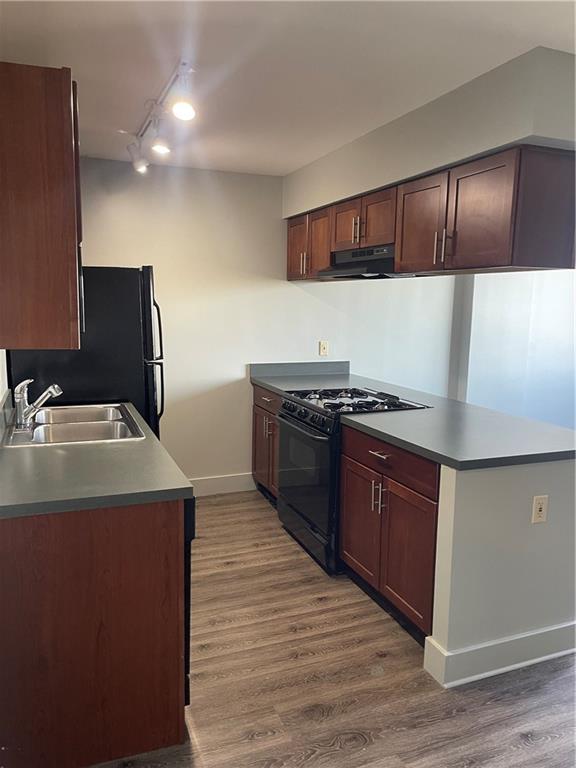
(294, 669)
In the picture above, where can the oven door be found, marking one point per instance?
(304, 472)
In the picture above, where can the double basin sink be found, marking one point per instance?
(77, 424)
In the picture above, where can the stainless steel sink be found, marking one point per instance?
(68, 414)
(77, 424)
(82, 432)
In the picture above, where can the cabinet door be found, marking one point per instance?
(38, 217)
(273, 446)
(378, 218)
(260, 447)
(360, 519)
(318, 256)
(297, 246)
(408, 551)
(420, 223)
(345, 225)
(481, 203)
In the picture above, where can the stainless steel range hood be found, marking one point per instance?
(361, 264)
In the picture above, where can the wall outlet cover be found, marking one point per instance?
(539, 509)
(323, 348)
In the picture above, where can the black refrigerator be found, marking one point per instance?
(121, 354)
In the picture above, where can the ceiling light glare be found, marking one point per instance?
(160, 146)
(141, 165)
(183, 110)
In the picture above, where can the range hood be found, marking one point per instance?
(361, 264)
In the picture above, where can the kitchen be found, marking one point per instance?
(217, 241)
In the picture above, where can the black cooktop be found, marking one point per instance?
(352, 400)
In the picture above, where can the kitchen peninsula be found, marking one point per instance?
(92, 588)
(495, 602)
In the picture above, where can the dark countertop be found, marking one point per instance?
(451, 432)
(36, 480)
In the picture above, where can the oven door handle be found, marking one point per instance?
(292, 425)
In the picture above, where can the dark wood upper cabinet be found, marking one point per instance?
(420, 224)
(509, 210)
(378, 218)
(360, 519)
(308, 244)
(318, 256)
(407, 552)
(297, 246)
(481, 205)
(345, 225)
(39, 216)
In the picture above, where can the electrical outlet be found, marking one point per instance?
(323, 348)
(539, 509)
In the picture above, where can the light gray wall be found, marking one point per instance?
(522, 345)
(217, 244)
(504, 590)
(530, 96)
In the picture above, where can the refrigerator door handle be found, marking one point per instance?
(160, 364)
(159, 356)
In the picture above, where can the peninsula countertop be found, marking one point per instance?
(37, 480)
(450, 432)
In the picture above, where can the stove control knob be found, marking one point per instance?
(302, 413)
(313, 418)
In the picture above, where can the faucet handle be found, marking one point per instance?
(22, 388)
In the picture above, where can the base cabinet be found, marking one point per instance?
(92, 641)
(265, 440)
(388, 530)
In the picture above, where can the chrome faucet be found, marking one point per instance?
(24, 411)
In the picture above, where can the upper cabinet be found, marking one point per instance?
(420, 223)
(364, 221)
(510, 210)
(308, 244)
(39, 210)
(378, 218)
(481, 209)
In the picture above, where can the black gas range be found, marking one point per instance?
(309, 461)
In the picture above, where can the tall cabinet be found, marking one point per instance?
(40, 230)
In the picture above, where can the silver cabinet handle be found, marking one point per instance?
(373, 494)
(358, 228)
(305, 255)
(435, 247)
(379, 502)
(301, 260)
(383, 456)
(267, 399)
(443, 251)
(353, 227)
(269, 432)
(265, 426)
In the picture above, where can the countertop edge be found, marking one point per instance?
(78, 504)
(445, 460)
(459, 464)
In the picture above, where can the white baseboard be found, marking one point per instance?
(452, 668)
(209, 486)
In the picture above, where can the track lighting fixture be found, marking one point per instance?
(175, 100)
(139, 162)
(182, 107)
(160, 144)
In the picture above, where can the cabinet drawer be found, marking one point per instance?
(414, 471)
(266, 399)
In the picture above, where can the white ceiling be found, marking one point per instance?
(277, 84)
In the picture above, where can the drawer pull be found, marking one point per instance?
(382, 456)
(267, 399)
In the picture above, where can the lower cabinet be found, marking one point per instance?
(388, 536)
(265, 449)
